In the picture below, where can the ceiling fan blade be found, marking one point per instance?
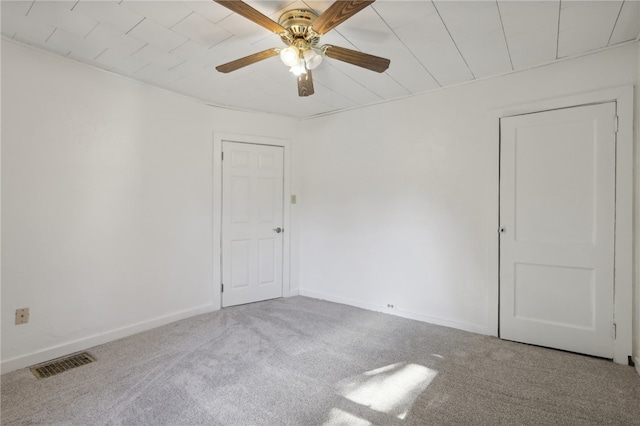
(364, 60)
(305, 84)
(243, 9)
(247, 60)
(337, 13)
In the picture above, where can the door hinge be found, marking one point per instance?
(615, 124)
(613, 331)
(221, 288)
(223, 156)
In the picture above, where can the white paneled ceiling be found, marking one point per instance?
(176, 45)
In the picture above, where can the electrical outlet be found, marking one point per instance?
(22, 316)
(390, 306)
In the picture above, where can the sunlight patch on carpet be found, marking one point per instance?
(338, 417)
(391, 389)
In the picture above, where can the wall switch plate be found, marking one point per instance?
(294, 199)
(22, 316)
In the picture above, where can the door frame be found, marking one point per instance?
(624, 250)
(218, 138)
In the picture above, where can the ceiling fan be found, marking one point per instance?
(300, 30)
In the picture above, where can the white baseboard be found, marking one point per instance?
(291, 293)
(98, 339)
(636, 361)
(399, 312)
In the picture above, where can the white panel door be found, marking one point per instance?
(252, 220)
(557, 206)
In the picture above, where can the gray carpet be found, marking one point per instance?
(302, 361)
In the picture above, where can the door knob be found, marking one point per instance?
(278, 230)
(503, 230)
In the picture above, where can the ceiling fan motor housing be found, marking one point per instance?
(298, 24)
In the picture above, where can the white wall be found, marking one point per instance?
(399, 202)
(106, 203)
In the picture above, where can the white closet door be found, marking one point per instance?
(557, 211)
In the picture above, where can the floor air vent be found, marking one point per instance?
(61, 365)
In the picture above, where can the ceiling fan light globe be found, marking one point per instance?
(299, 68)
(312, 58)
(289, 56)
